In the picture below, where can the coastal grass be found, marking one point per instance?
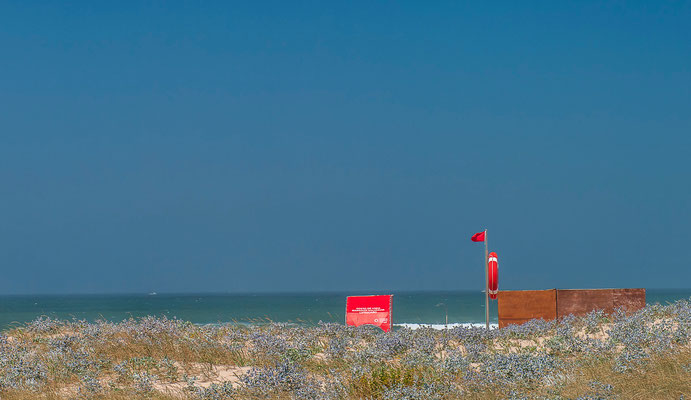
(644, 355)
(664, 376)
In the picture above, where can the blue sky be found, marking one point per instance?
(291, 146)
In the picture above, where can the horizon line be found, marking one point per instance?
(293, 292)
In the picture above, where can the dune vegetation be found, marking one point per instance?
(643, 355)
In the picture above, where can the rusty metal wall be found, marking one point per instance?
(629, 299)
(582, 301)
(519, 306)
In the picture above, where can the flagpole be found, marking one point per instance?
(486, 285)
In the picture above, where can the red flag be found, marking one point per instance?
(478, 237)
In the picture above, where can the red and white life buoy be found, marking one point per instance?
(492, 275)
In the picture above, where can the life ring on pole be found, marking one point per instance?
(492, 275)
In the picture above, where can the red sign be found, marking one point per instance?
(373, 310)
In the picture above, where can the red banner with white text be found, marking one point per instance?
(372, 310)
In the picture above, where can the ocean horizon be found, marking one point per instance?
(411, 309)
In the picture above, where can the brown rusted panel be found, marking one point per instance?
(519, 306)
(582, 301)
(629, 299)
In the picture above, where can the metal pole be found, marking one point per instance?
(446, 316)
(486, 285)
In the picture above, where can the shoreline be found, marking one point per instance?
(410, 308)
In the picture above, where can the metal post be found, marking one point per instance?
(486, 285)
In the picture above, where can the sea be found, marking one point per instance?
(411, 309)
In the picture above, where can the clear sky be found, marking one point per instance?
(292, 146)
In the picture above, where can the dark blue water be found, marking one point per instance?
(408, 307)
